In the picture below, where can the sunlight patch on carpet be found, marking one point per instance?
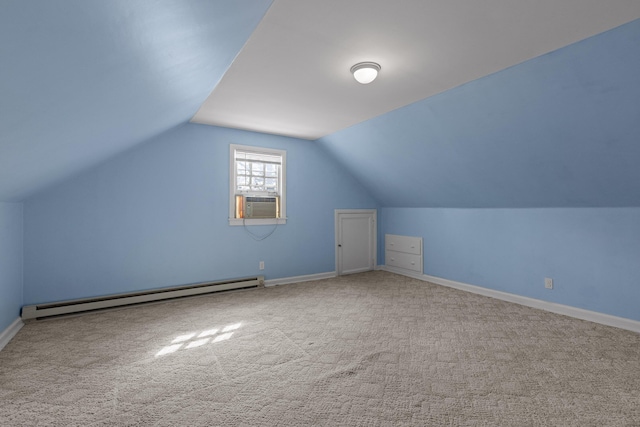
(185, 341)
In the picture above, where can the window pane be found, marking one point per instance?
(257, 168)
(240, 167)
(257, 181)
(271, 170)
(271, 184)
(242, 180)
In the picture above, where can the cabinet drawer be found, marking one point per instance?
(411, 245)
(404, 260)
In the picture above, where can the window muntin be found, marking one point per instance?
(257, 173)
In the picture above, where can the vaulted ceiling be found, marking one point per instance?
(292, 77)
(461, 114)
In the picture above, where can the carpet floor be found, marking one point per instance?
(372, 349)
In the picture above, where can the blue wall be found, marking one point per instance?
(591, 254)
(158, 216)
(83, 80)
(10, 263)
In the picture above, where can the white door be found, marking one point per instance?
(355, 241)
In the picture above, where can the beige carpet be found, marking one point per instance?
(373, 349)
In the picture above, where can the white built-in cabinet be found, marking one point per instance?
(403, 252)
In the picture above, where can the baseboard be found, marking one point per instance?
(402, 272)
(10, 332)
(297, 279)
(567, 310)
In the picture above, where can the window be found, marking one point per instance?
(259, 174)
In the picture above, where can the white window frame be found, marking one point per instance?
(232, 186)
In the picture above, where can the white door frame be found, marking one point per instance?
(337, 214)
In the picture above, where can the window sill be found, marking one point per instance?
(257, 221)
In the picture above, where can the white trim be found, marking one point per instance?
(10, 332)
(403, 272)
(257, 221)
(356, 211)
(298, 279)
(567, 310)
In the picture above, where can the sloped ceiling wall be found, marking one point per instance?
(87, 79)
(561, 130)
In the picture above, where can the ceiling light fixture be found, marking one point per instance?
(365, 72)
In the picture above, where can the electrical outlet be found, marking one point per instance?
(261, 265)
(548, 283)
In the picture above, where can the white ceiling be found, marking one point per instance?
(292, 76)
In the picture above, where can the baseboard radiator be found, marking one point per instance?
(40, 311)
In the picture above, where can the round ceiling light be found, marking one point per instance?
(365, 72)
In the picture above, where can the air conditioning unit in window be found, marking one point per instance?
(260, 207)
